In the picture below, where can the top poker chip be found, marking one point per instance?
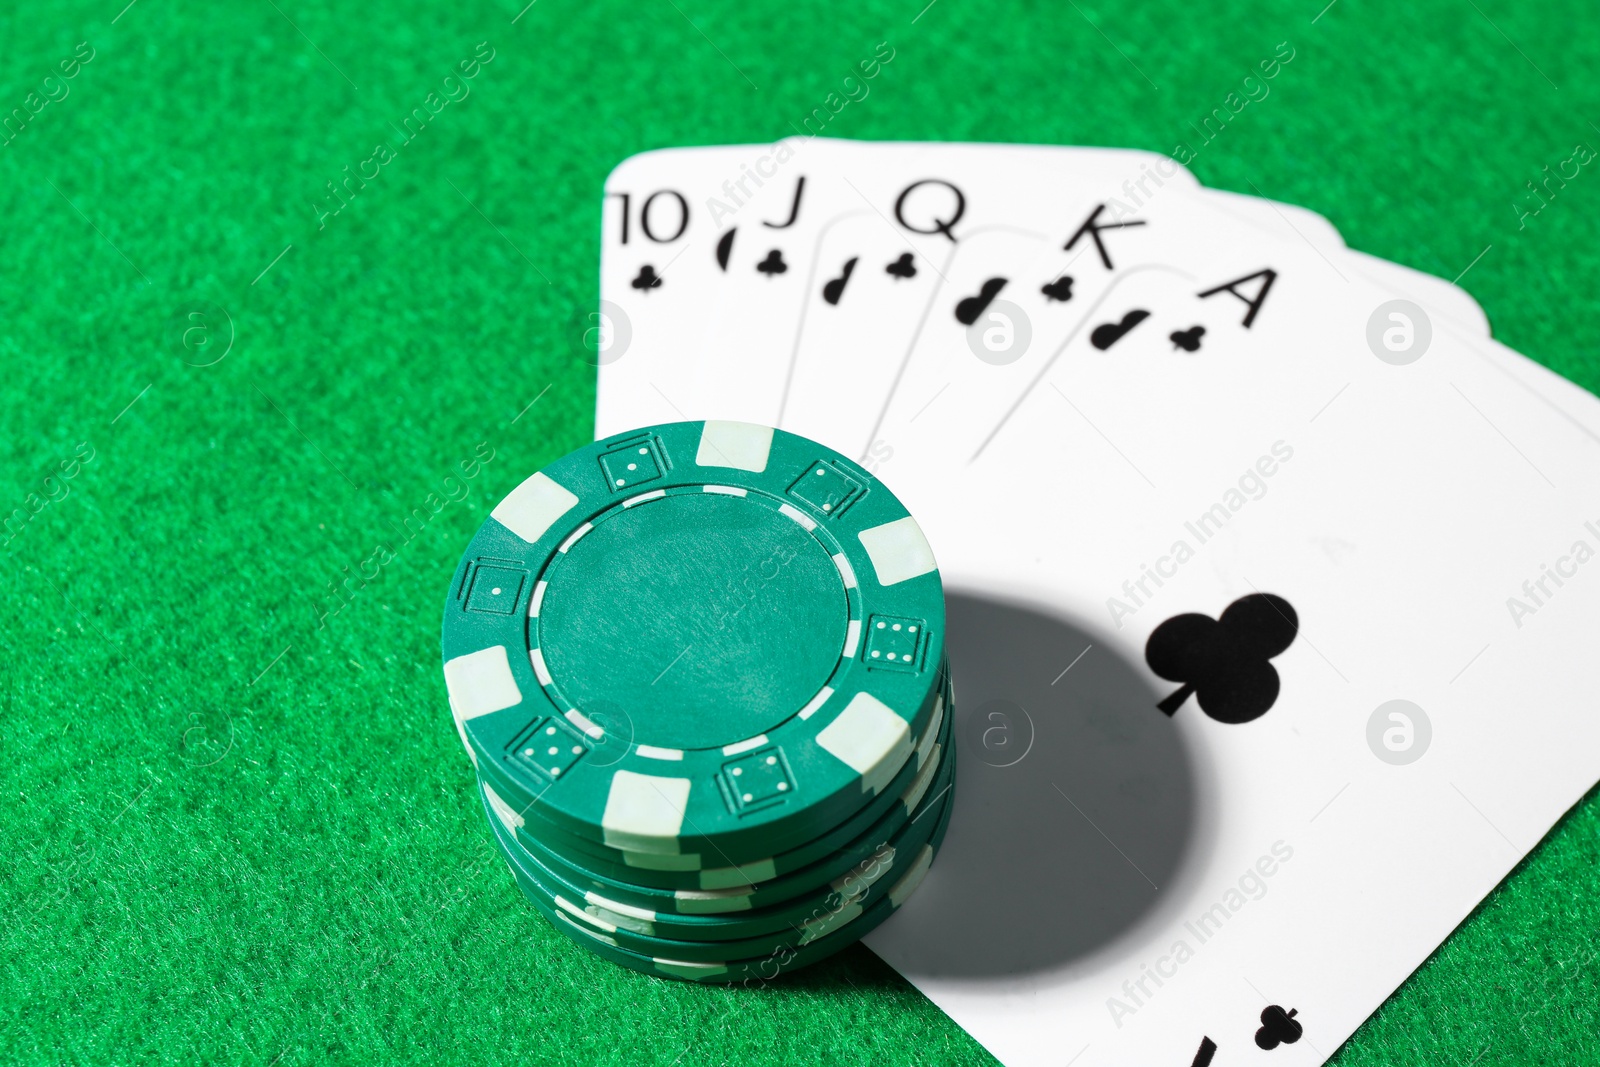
(710, 637)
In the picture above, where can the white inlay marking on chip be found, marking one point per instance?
(688, 861)
(852, 638)
(913, 878)
(481, 682)
(741, 445)
(898, 550)
(825, 924)
(726, 490)
(585, 931)
(540, 671)
(744, 746)
(919, 785)
(642, 497)
(869, 738)
(652, 752)
(720, 902)
(740, 876)
(567, 905)
(624, 922)
(503, 811)
(931, 737)
(620, 908)
(797, 515)
(855, 882)
(688, 970)
(644, 812)
(591, 728)
(846, 571)
(816, 702)
(538, 598)
(533, 507)
(579, 532)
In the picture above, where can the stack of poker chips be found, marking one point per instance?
(700, 671)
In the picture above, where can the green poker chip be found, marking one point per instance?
(786, 955)
(702, 889)
(689, 870)
(772, 907)
(828, 912)
(749, 886)
(706, 638)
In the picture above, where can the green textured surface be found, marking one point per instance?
(235, 836)
(615, 619)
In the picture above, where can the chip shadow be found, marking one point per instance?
(1076, 802)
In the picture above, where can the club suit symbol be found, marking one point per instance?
(773, 264)
(833, 290)
(1225, 662)
(1188, 340)
(725, 248)
(647, 279)
(968, 310)
(1278, 1028)
(902, 267)
(1107, 334)
(1058, 289)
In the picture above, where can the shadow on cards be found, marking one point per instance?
(1076, 802)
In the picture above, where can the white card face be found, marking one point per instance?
(713, 263)
(1438, 296)
(1268, 590)
(1250, 728)
(844, 366)
(877, 281)
(1289, 222)
(1571, 403)
(738, 370)
(716, 341)
(1020, 299)
(656, 268)
(858, 424)
(849, 358)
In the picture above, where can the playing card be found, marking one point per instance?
(689, 352)
(923, 203)
(1290, 222)
(1266, 567)
(721, 342)
(878, 281)
(1435, 297)
(1019, 300)
(654, 275)
(1255, 705)
(852, 342)
(739, 364)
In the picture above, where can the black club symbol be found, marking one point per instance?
(1278, 1027)
(1224, 662)
(1058, 288)
(902, 267)
(1188, 340)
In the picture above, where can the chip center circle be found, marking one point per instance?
(707, 618)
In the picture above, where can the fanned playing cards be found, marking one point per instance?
(1273, 579)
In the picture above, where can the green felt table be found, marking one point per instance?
(237, 824)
